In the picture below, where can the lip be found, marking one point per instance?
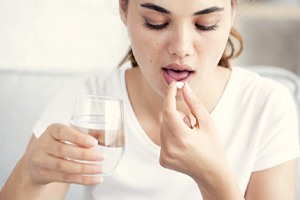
(177, 72)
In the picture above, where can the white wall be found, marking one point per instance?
(271, 34)
(61, 34)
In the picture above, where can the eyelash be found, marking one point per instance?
(206, 28)
(162, 26)
(156, 27)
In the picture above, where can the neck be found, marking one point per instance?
(143, 97)
(148, 104)
(144, 100)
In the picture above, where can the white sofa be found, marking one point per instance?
(24, 95)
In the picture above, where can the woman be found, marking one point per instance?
(226, 134)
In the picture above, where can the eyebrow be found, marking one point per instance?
(160, 9)
(209, 10)
(157, 8)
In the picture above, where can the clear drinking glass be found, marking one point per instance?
(102, 118)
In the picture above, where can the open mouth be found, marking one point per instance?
(177, 75)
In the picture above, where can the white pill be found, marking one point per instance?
(179, 85)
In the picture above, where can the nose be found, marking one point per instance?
(181, 43)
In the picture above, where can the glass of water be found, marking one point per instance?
(103, 118)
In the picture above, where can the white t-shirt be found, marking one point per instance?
(256, 118)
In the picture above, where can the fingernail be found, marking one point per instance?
(92, 141)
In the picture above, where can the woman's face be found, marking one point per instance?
(178, 40)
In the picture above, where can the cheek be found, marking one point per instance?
(145, 48)
(215, 45)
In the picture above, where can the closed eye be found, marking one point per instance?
(164, 25)
(206, 28)
(155, 26)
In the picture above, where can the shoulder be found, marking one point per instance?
(262, 95)
(253, 84)
(94, 83)
(112, 84)
(59, 109)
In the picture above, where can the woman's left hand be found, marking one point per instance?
(193, 150)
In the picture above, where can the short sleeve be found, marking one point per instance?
(279, 140)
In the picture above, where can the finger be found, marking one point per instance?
(170, 98)
(69, 166)
(197, 108)
(63, 150)
(164, 131)
(71, 178)
(170, 114)
(65, 133)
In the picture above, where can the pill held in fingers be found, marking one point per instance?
(179, 85)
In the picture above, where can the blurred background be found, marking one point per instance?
(61, 35)
(271, 32)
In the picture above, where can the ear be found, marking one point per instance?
(123, 10)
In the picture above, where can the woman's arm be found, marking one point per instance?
(276, 183)
(47, 167)
(198, 152)
(19, 186)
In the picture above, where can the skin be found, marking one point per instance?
(181, 117)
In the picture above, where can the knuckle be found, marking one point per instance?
(81, 168)
(53, 128)
(61, 150)
(66, 178)
(167, 112)
(36, 162)
(40, 172)
(163, 161)
(84, 154)
(90, 169)
(77, 136)
(61, 131)
(59, 165)
(96, 155)
(86, 180)
(184, 143)
(58, 131)
(41, 175)
(165, 156)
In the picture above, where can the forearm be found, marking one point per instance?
(223, 187)
(19, 185)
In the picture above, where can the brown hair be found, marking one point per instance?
(232, 49)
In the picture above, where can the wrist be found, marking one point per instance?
(20, 185)
(222, 185)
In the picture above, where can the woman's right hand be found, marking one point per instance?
(50, 158)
